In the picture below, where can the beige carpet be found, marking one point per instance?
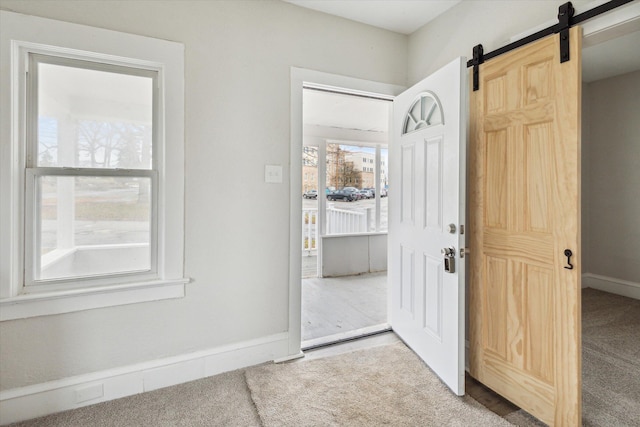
(610, 362)
(222, 400)
(610, 359)
(386, 385)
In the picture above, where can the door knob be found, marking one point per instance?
(450, 251)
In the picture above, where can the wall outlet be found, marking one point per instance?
(89, 393)
(273, 174)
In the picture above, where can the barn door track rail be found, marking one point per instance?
(566, 20)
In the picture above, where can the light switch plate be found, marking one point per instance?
(273, 174)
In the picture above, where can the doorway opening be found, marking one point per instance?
(344, 215)
(611, 261)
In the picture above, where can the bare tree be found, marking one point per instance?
(114, 144)
(342, 173)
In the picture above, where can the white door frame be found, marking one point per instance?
(299, 76)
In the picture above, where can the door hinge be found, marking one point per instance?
(565, 13)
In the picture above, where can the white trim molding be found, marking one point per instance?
(299, 78)
(611, 285)
(21, 35)
(31, 305)
(70, 393)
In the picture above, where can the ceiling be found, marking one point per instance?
(611, 58)
(344, 111)
(401, 16)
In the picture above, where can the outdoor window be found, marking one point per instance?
(367, 211)
(91, 174)
(92, 171)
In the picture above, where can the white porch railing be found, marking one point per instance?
(342, 221)
(339, 221)
(310, 226)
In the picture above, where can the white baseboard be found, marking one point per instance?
(609, 284)
(74, 392)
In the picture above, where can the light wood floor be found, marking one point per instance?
(488, 398)
(336, 306)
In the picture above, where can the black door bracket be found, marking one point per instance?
(565, 15)
(478, 58)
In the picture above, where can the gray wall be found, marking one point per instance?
(491, 23)
(611, 177)
(238, 56)
(351, 255)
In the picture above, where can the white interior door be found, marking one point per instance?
(426, 215)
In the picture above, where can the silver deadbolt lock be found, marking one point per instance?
(449, 259)
(451, 229)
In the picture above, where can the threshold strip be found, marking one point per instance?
(384, 329)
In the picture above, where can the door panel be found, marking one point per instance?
(408, 284)
(427, 161)
(524, 212)
(408, 178)
(433, 183)
(433, 296)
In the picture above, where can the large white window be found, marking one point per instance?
(91, 173)
(92, 168)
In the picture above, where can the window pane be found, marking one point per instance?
(96, 119)
(310, 223)
(351, 206)
(384, 186)
(92, 225)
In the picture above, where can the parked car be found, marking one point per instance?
(383, 192)
(365, 194)
(311, 194)
(354, 191)
(343, 194)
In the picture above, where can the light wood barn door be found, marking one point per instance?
(525, 335)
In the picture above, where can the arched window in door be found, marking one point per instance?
(425, 111)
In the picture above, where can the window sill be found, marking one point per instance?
(43, 304)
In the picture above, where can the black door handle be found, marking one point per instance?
(568, 253)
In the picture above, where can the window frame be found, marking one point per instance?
(22, 35)
(33, 172)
